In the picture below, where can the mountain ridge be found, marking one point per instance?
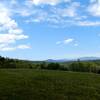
(75, 59)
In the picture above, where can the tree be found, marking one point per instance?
(43, 65)
(53, 66)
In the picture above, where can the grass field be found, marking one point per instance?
(48, 85)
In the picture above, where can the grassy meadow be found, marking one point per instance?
(29, 84)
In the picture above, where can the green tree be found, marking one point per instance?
(53, 66)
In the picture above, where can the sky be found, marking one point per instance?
(49, 29)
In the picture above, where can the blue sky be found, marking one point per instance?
(49, 29)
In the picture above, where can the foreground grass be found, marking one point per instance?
(48, 85)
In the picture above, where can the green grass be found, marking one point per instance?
(48, 85)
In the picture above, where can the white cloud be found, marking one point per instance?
(24, 12)
(66, 41)
(94, 8)
(6, 47)
(62, 16)
(56, 15)
(10, 33)
(11, 38)
(70, 11)
(23, 46)
(88, 23)
(50, 2)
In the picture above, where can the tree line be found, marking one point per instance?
(77, 66)
(6, 62)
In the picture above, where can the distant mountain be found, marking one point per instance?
(58, 60)
(67, 60)
(89, 58)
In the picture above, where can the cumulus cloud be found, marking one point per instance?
(63, 16)
(11, 38)
(94, 8)
(56, 15)
(10, 33)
